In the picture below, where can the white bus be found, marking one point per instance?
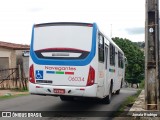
(74, 60)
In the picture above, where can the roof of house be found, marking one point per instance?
(14, 46)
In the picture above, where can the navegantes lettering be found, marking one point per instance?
(60, 68)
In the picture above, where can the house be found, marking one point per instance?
(13, 60)
(10, 53)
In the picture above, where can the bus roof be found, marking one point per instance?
(63, 24)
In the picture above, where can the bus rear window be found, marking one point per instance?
(62, 41)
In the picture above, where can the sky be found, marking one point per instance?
(115, 18)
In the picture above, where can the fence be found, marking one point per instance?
(13, 78)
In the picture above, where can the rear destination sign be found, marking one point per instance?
(60, 68)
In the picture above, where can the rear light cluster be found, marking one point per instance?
(31, 74)
(91, 77)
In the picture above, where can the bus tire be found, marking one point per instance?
(117, 92)
(107, 99)
(66, 98)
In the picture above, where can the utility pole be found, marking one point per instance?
(152, 55)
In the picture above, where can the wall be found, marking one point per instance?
(24, 61)
(10, 54)
(10, 58)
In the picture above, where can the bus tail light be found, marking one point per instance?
(31, 74)
(91, 77)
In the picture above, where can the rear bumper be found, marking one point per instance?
(89, 91)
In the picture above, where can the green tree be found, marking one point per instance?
(135, 58)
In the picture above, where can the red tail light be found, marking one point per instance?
(31, 74)
(91, 77)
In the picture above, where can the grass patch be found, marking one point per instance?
(16, 89)
(11, 96)
(142, 84)
(127, 104)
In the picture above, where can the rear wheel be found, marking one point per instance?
(107, 99)
(118, 91)
(66, 98)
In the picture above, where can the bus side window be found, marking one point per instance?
(112, 55)
(106, 56)
(100, 48)
(120, 60)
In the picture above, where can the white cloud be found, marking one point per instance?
(135, 30)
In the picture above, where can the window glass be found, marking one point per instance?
(120, 60)
(112, 55)
(100, 48)
(106, 57)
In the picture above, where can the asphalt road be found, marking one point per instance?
(48, 103)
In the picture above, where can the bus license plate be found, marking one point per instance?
(61, 91)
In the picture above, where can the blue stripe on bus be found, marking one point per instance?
(83, 62)
(50, 72)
